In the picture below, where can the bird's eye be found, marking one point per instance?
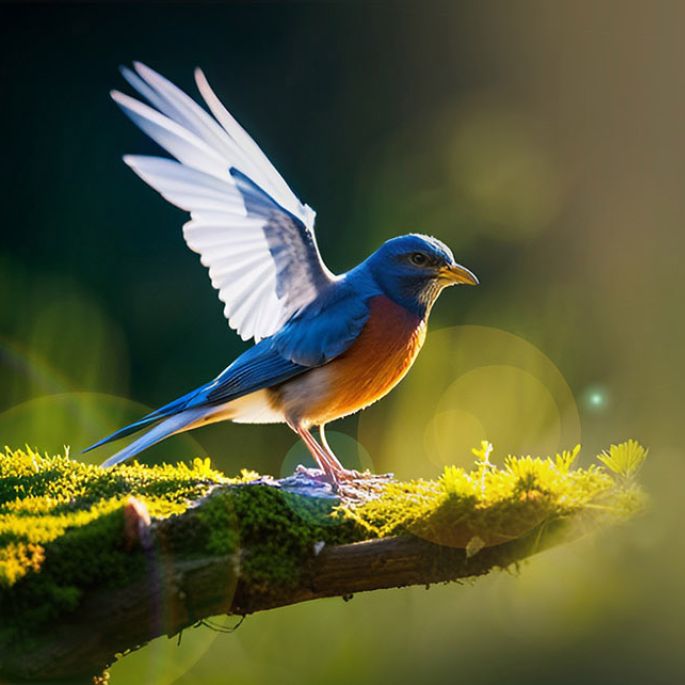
(419, 259)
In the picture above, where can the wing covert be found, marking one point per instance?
(250, 230)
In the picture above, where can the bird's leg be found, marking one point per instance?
(341, 472)
(327, 448)
(329, 468)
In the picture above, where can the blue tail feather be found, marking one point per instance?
(168, 427)
(123, 432)
(163, 412)
(259, 367)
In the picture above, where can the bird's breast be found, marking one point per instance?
(374, 364)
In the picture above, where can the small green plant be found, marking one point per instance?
(490, 505)
(625, 459)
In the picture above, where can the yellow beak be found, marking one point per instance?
(456, 273)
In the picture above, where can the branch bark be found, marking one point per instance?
(176, 593)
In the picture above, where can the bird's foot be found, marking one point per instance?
(314, 474)
(348, 483)
(346, 475)
(351, 484)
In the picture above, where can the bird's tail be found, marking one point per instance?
(126, 430)
(172, 409)
(174, 424)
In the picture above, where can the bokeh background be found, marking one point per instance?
(544, 141)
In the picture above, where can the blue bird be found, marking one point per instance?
(326, 345)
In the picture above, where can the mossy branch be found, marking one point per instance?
(94, 563)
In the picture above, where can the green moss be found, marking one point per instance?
(490, 505)
(63, 523)
(43, 498)
(280, 530)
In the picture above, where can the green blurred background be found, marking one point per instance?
(542, 140)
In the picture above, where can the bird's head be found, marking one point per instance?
(413, 269)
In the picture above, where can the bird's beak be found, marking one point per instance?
(455, 273)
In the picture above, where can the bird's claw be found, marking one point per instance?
(346, 475)
(348, 483)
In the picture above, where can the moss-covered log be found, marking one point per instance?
(94, 563)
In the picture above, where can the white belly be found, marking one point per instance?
(253, 408)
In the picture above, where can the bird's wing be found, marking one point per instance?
(256, 238)
(309, 340)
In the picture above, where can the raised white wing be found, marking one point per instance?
(254, 235)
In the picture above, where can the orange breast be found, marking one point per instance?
(374, 364)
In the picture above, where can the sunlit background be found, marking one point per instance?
(543, 141)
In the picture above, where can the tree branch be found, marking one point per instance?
(109, 622)
(96, 563)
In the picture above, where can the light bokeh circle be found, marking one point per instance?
(501, 170)
(76, 420)
(471, 383)
(50, 423)
(351, 453)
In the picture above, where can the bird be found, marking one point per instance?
(325, 345)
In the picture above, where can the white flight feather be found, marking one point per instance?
(231, 242)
